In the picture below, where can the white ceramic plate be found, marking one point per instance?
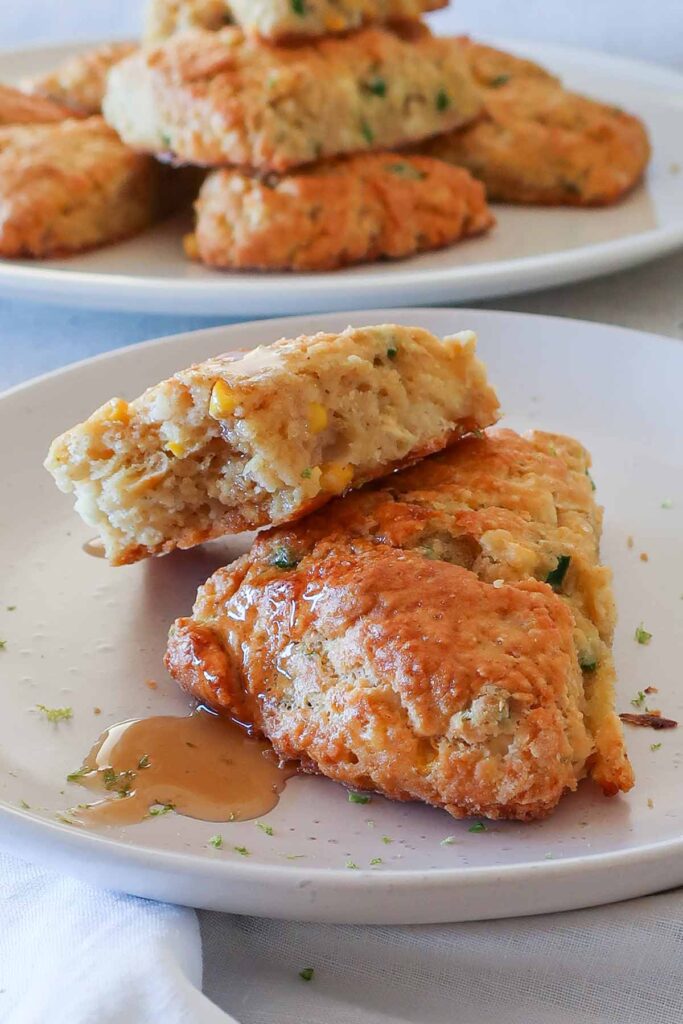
(529, 249)
(86, 635)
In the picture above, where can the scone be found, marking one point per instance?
(539, 143)
(353, 209)
(240, 442)
(78, 83)
(213, 98)
(279, 20)
(71, 186)
(18, 108)
(443, 635)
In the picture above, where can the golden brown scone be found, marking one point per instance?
(212, 98)
(442, 635)
(539, 143)
(79, 82)
(71, 186)
(241, 441)
(279, 20)
(18, 108)
(354, 209)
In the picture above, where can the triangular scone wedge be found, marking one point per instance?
(242, 441)
(443, 635)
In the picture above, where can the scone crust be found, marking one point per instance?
(18, 108)
(351, 210)
(405, 640)
(70, 186)
(213, 98)
(538, 143)
(79, 82)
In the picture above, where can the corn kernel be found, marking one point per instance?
(190, 246)
(115, 410)
(175, 449)
(334, 23)
(335, 477)
(223, 401)
(317, 417)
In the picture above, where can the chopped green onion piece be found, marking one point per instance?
(284, 559)
(375, 860)
(443, 100)
(655, 746)
(377, 86)
(448, 841)
(351, 865)
(306, 974)
(268, 829)
(359, 798)
(478, 826)
(499, 80)
(144, 761)
(367, 132)
(298, 6)
(216, 841)
(75, 776)
(386, 840)
(392, 352)
(639, 700)
(306, 473)
(642, 636)
(157, 809)
(591, 481)
(556, 577)
(242, 850)
(55, 714)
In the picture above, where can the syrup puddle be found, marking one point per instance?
(202, 766)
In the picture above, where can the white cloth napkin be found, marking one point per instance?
(72, 954)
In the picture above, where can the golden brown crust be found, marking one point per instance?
(18, 108)
(79, 82)
(352, 210)
(215, 98)
(69, 187)
(404, 640)
(539, 143)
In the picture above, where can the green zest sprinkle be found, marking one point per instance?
(216, 841)
(351, 866)
(478, 826)
(242, 850)
(642, 636)
(587, 664)
(639, 700)
(448, 841)
(590, 480)
(298, 6)
(144, 761)
(443, 100)
(56, 714)
(655, 746)
(306, 473)
(268, 829)
(667, 503)
(377, 86)
(392, 352)
(556, 577)
(375, 860)
(3, 645)
(75, 776)
(367, 132)
(406, 171)
(159, 809)
(284, 559)
(499, 80)
(306, 974)
(359, 798)
(386, 840)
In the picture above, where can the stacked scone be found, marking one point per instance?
(298, 109)
(442, 633)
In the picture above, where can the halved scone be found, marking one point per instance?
(236, 443)
(443, 635)
(79, 82)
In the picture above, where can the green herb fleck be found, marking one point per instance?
(216, 841)
(478, 826)
(639, 700)
(443, 100)
(448, 841)
(655, 746)
(392, 352)
(242, 850)
(56, 714)
(406, 171)
(376, 86)
(587, 663)
(298, 6)
(144, 761)
(11, 607)
(556, 577)
(367, 132)
(27, 807)
(284, 559)
(3, 645)
(590, 480)
(306, 473)
(268, 829)
(351, 866)
(386, 840)
(78, 774)
(667, 503)
(306, 974)
(642, 636)
(359, 798)
(157, 809)
(499, 80)
(375, 861)
(295, 856)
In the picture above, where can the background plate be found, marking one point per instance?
(86, 635)
(530, 248)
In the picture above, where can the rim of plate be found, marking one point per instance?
(498, 277)
(69, 837)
